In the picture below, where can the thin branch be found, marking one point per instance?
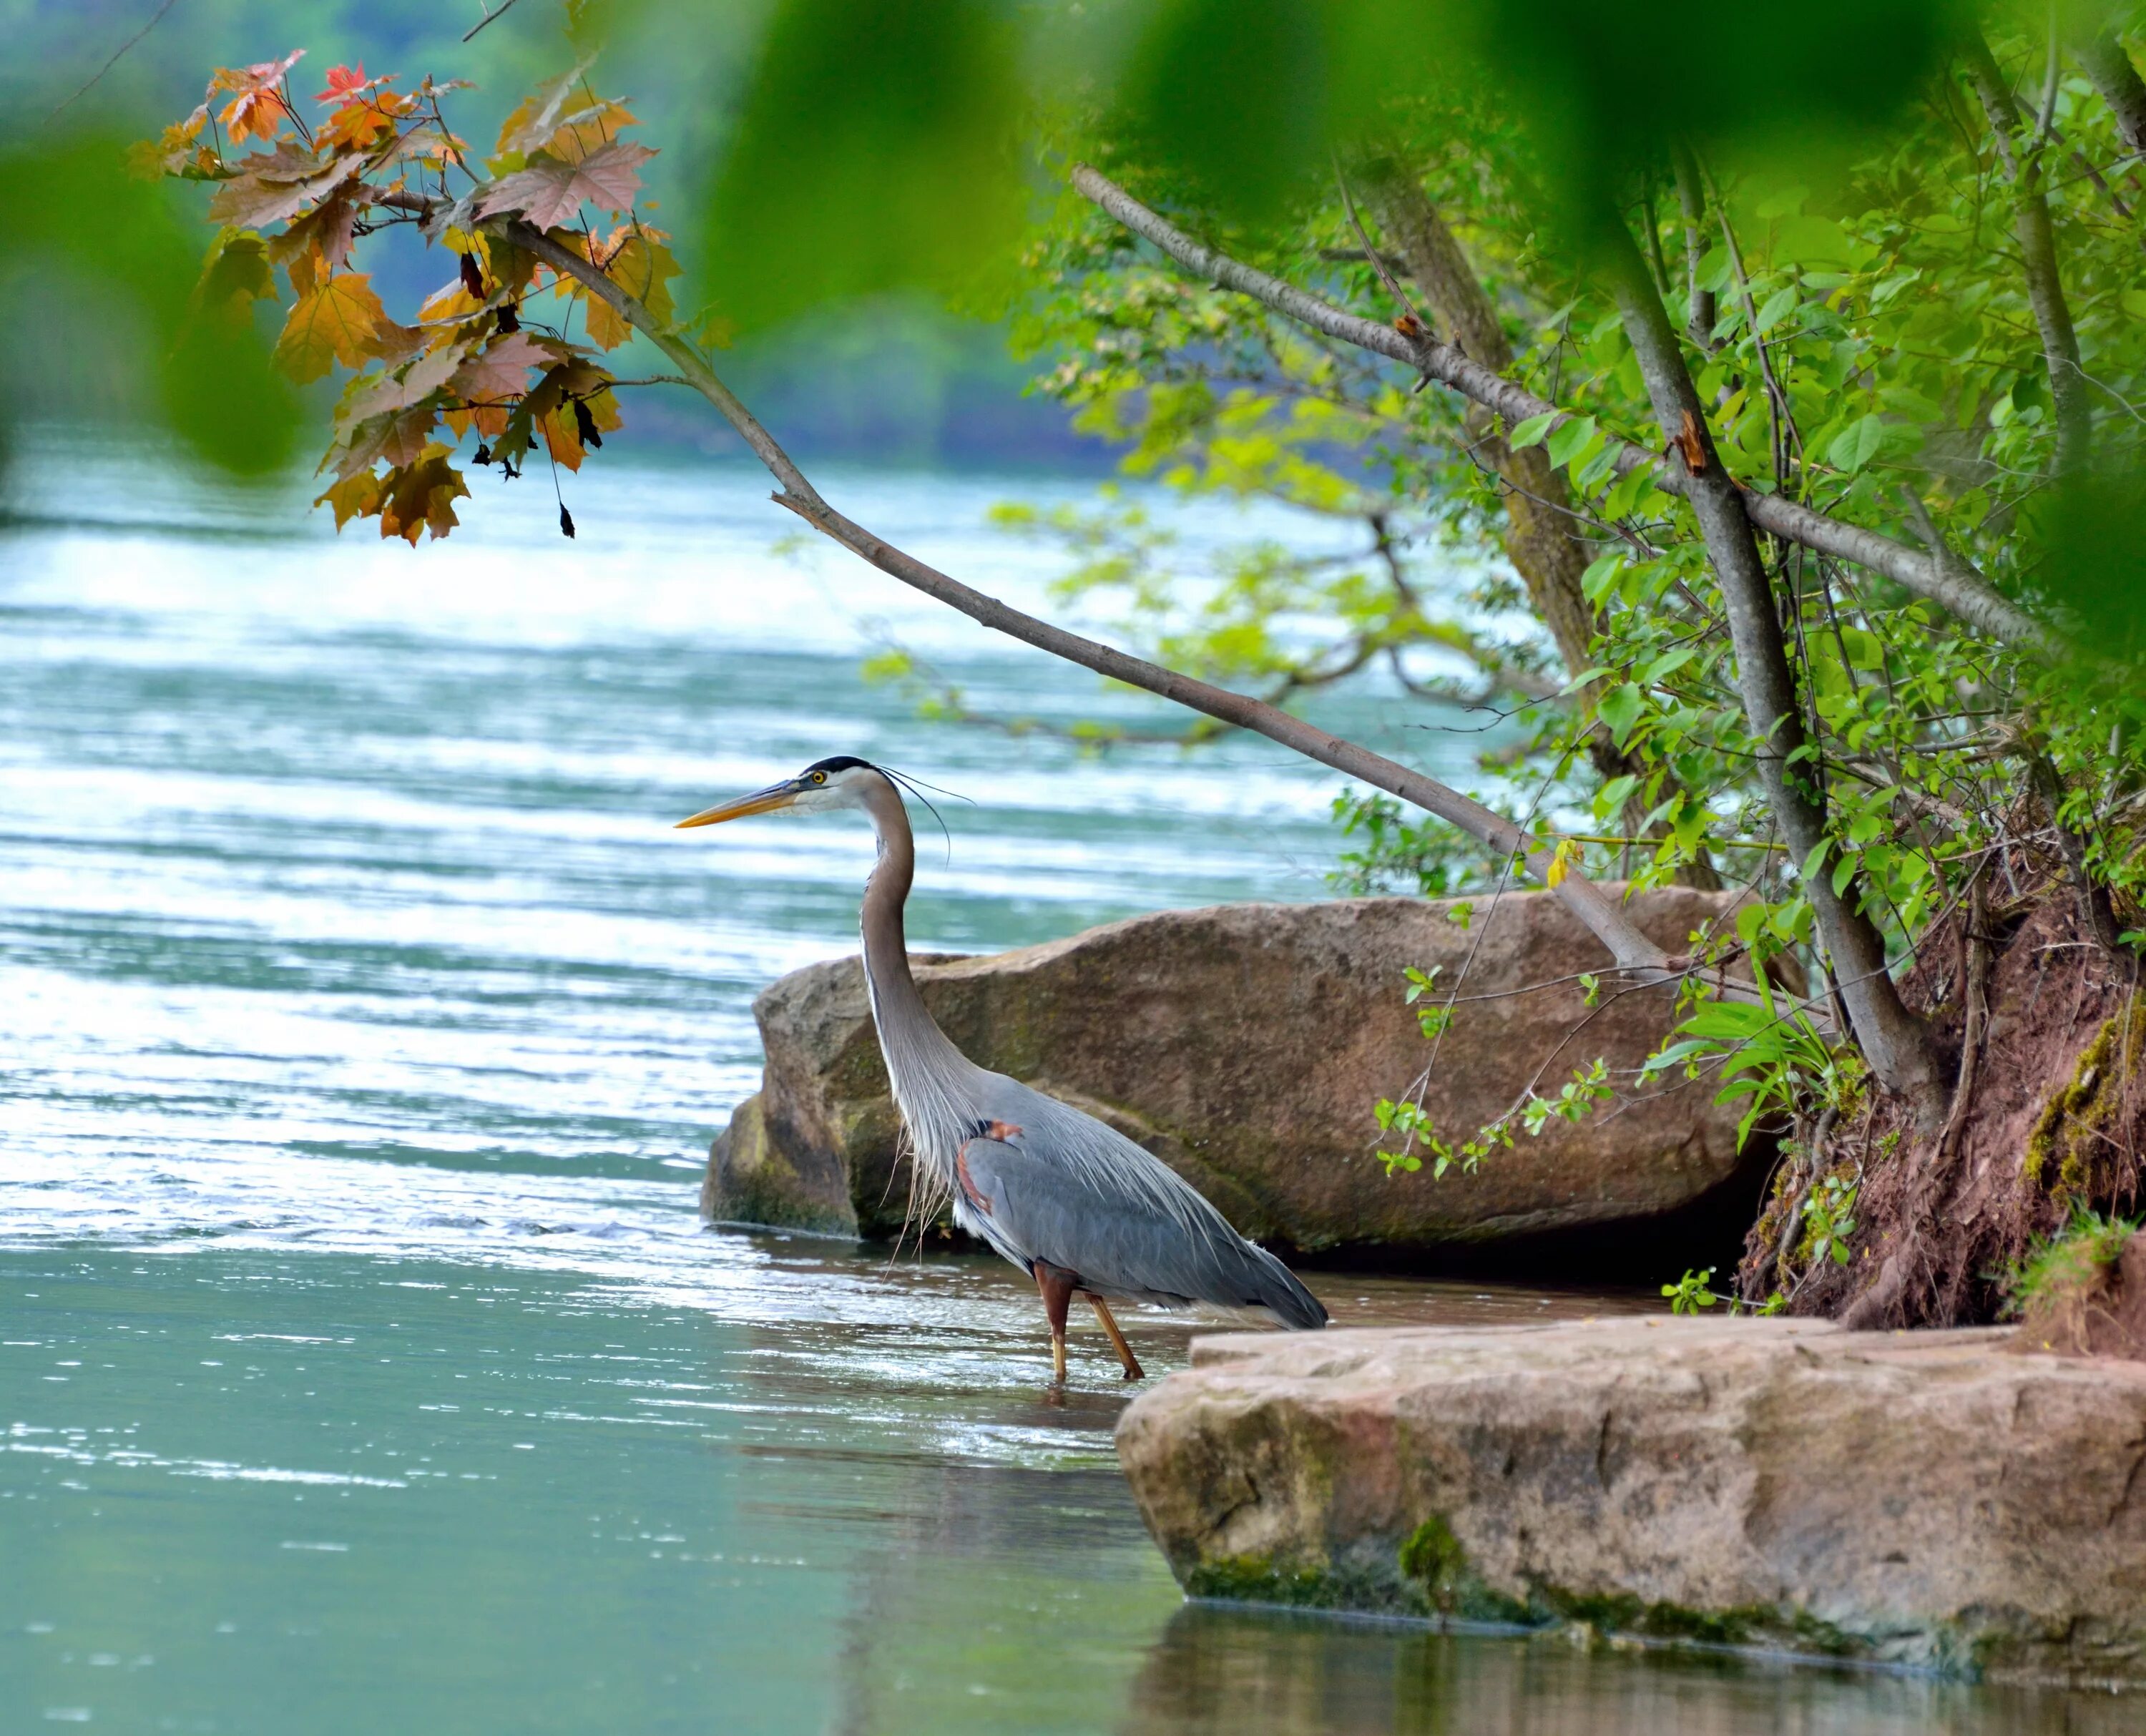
(503, 8)
(118, 54)
(2038, 248)
(1598, 911)
(1972, 598)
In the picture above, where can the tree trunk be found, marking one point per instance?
(1893, 1041)
(2108, 65)
(1543, 537)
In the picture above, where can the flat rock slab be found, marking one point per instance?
(1244, 1045)
(1926, 1498)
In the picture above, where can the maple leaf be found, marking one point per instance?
(397, 390)
(450, 301)
(236, 274)
(259, 197)
(494, 377)
(356, 496)
(537, 118)
(344, 83)
(556, 404)
(420, 496)
(318, 244)
(550, 193)
(589, 130)
(174, 150)
(257, 109)
(398, 436)
(339, 320)
(360, 125)
(261, 76)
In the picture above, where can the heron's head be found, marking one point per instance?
(844, 782)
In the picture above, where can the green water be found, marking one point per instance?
(363, 1366)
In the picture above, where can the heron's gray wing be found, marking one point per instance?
(1111, 1232)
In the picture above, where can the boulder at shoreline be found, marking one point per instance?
(1245, 1046)
(1919, 1499)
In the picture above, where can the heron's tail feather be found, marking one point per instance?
(1283, 1297)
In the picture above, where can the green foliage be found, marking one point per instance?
(1829, 1217)
(2071, 1257)
(1773, 1058)
(71, 212)
(876, 150)
(1694, 1292)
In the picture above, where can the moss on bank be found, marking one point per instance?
(1432, 1579)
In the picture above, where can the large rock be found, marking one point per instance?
(1246, 1044)
(1922, 1499)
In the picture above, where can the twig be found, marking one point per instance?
(118, 54)
(503, 8)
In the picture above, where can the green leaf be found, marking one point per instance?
(1856, 445)
(1601, 574)
(1621, 708)
(1568, 438)
(1531, 432)
(1778, 307)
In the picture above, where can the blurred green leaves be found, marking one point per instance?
(71, 213)
(2095, 526)
(877, 149)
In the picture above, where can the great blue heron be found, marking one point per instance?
(1079, 1207)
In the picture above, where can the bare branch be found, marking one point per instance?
(118, 54)
(1967, 595)
(499, 12)
(1598, 911)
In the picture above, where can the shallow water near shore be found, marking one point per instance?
(363, 1365)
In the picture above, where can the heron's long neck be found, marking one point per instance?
(919, 1056)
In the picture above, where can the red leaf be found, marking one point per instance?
(343, 83)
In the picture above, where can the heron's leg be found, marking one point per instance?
(1057, 1286)
(1133, 1371)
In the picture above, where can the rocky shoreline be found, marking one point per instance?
(1930, 1499)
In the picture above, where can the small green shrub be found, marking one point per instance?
(2072, 1257)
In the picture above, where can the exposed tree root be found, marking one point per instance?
(2045, 1030)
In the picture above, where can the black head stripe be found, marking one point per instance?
(840, 762)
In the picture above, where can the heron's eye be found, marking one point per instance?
(819, 777)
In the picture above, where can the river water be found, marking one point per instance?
(362, 1365)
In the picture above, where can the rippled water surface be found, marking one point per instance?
(362, 1365)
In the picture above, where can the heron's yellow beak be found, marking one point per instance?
(760, 801)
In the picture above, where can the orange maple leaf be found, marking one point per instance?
(339, 320)
(257, 109)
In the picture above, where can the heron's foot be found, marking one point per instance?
(1133, 1371)
(1056, 1285)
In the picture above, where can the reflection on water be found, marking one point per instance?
(362, 1367)
(1217, 1670)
